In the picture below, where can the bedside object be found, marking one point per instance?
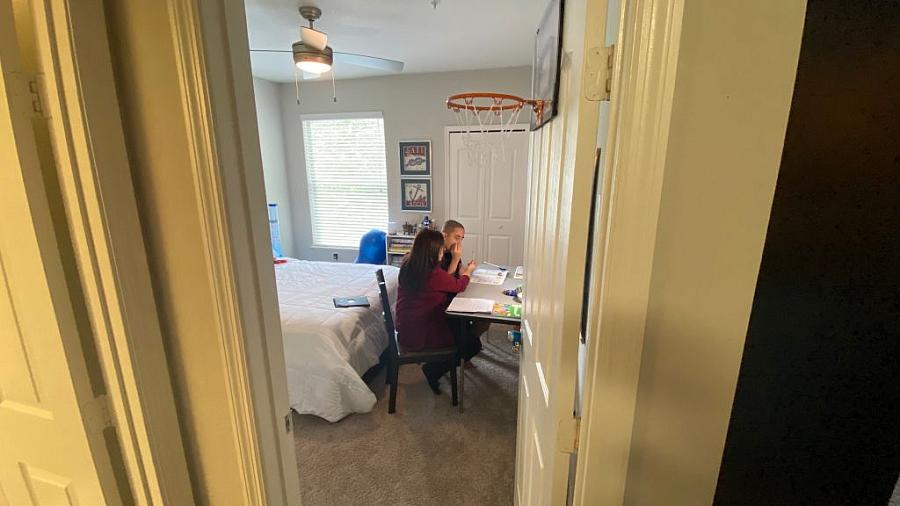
(355, 301)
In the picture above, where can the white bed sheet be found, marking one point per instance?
(327, 349)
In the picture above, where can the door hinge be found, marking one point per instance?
(577, 434)
(598, 73)
(37, 103)
(288, 422)
(568, 434)
(96, 414)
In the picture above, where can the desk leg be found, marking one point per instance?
(461, 322)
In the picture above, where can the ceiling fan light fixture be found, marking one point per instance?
(309, 59)
(313, 67)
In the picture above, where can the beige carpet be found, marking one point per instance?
(427, 453)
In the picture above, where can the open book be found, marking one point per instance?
(464, 305)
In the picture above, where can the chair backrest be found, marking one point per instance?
(386, 314)
(372, 248)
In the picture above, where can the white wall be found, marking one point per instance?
(271, 144)
(413, 107)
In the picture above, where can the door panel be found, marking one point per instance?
(500, 249)
(504, 223)
(466, 195)
(17, 381)
(46, 487)
(474, 243)
(49, 453)
(559, 196)
(488, 198)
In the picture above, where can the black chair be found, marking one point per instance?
(396, 358)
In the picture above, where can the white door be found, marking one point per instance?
(488, 198)
(560, 180)
(52, 421)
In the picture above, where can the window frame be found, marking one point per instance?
(377, 114)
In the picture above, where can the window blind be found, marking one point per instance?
(347, 177)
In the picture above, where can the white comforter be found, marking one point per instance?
(327, 349)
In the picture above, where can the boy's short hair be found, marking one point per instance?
(451, 225)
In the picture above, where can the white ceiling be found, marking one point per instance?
(458, 35)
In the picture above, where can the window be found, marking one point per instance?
(347, 176)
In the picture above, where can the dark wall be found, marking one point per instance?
(816, 416)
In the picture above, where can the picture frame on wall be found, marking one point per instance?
(415, 195)
(415, 158)
(545, 66)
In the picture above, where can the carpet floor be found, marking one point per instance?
(426, 453)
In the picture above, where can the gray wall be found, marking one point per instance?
(413, 107)
(271, 144)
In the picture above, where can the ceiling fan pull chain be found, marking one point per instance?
(297, 85)
(333, 88)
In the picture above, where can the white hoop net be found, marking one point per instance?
(486, 123)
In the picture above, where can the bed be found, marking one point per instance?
(328, 349)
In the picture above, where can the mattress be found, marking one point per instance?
(328, 349)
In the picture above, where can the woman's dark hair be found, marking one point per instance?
(421, 260)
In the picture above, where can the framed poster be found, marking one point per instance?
(545, 66)
(415, 158)
(416, 195)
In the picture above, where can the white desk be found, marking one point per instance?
(480, 291)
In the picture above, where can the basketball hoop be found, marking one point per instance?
(480, 112)
(489, 111)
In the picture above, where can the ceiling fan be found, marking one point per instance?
(312, 55)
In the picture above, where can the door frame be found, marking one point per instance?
(624, 239)
(101, 217)
(457, 129)
(665, 36)
(69, 64)
(224, 141)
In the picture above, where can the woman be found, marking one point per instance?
(422, 298)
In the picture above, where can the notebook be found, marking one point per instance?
(355, 301)
(465, 305)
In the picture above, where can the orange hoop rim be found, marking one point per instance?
(465, 101)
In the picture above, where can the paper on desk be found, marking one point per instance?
(466, 305)
(489, 276)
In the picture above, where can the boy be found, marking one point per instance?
(454, 233)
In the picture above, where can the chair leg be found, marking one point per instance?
(394, 373)
(453, 381)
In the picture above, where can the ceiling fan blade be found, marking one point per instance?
(313, 38)
(373, 62)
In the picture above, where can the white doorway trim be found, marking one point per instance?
(631, 300)
(626, 222)
(456, 129)
(95, 213)
(226, 163)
